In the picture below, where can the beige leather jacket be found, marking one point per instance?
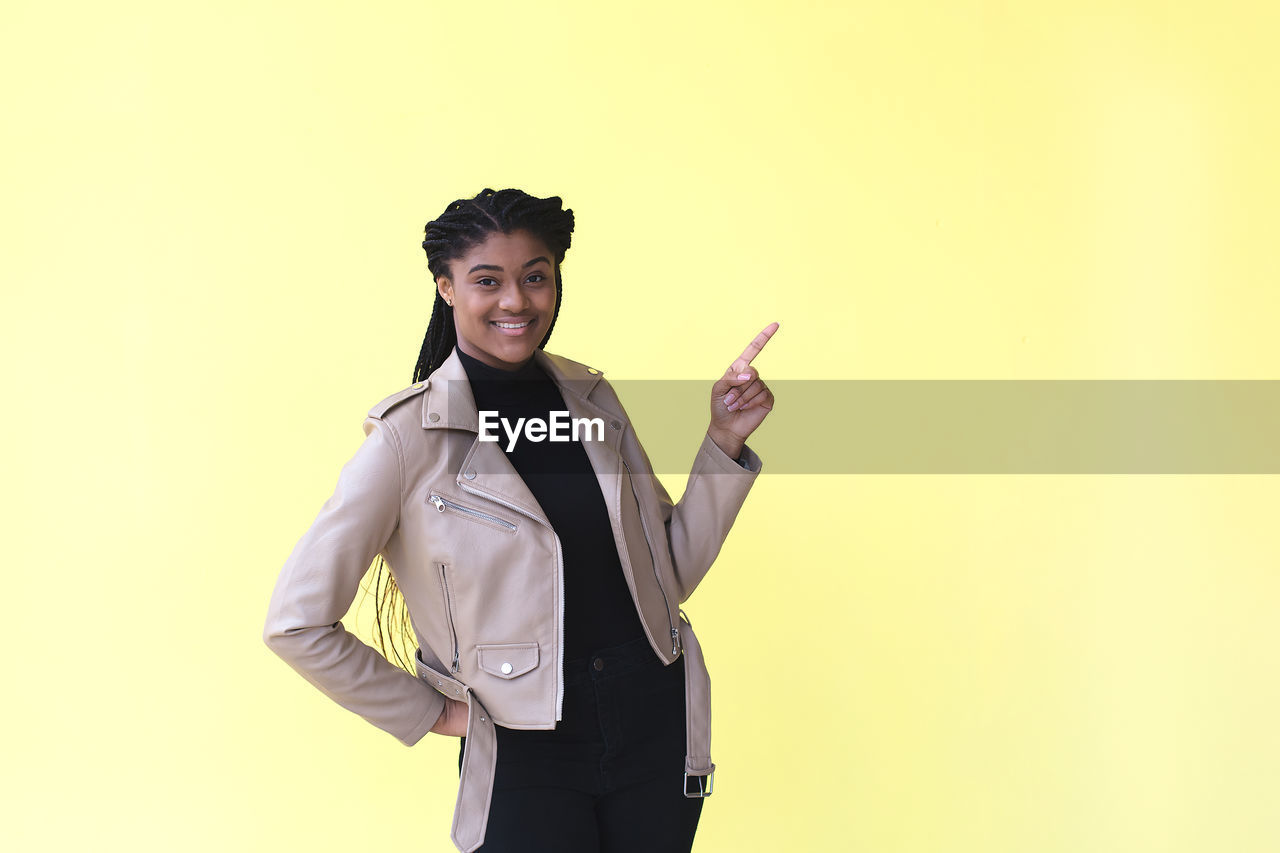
(482, 574)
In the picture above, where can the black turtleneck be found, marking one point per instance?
(599, 611)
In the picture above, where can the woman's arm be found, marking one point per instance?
(698, 524)
(723, 471)
(318, 584)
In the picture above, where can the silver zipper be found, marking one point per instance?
(441, 503)
(448, 610)
(675, 634)
(559, 580)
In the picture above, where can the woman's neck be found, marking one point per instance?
(477, 369)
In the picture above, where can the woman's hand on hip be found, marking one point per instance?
(453, 719)
(740, 400)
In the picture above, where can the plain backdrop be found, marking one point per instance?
(211, 267)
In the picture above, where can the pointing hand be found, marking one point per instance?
(740, 400)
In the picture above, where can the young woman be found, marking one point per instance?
(540, 580)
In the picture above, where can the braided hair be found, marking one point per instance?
(465, 224)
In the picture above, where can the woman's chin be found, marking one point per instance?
(512, 355)
(513, 348)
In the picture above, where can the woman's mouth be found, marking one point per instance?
(513, 328)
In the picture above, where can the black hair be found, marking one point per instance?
(465, 224)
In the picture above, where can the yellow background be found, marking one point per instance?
(211, 219)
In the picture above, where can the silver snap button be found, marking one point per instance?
(434, 416)
(482, 719)
(506, 669)
(470, 475)
(439, 683)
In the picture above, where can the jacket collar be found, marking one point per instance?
(448, 401)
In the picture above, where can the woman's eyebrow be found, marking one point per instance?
(499, 269)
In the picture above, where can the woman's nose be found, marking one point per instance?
(513, 299)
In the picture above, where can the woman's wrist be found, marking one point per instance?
(729, 444)
(453, 719)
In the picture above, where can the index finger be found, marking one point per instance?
(753, 348)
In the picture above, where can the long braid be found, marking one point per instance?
(466, 223)
(440, 340)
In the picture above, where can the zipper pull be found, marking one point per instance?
(435, 499)
(454, 668)
(675, 642)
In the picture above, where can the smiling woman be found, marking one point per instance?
(541, 581)
(510, 245)
(503, 297)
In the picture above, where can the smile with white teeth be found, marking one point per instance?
(512, 325)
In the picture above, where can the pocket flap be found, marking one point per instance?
(507, 660)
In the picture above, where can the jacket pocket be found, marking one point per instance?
(443, 504)
(507, 660)
(448, 612)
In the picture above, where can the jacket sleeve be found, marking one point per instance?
(319, 581)
(698, 524)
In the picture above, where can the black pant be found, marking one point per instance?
(609, 778)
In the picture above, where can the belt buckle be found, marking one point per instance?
(701, 792)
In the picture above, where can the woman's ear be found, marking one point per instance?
(445, 288)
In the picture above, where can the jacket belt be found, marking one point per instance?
(479, 759)
(697, 714)
(480, 756)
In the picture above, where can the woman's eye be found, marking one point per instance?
(536, 278)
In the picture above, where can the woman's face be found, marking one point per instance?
(508, 280)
